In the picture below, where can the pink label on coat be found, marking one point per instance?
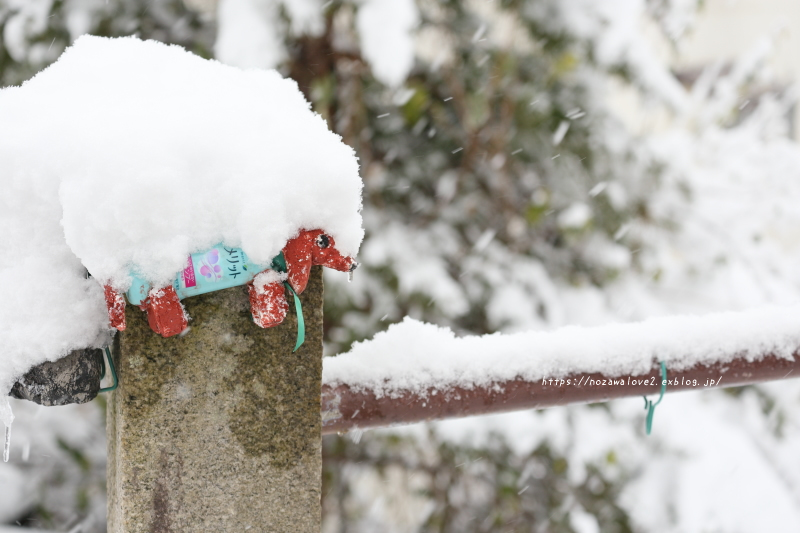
(188, 274)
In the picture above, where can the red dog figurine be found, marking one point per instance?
(167, 317)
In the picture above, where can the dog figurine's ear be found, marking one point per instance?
(313, 247)
(297, 253)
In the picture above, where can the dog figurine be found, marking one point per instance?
(223, 267)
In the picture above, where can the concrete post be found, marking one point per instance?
(218, 430)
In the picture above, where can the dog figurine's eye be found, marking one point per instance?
(323, 241)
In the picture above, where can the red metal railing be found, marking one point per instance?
(344, 408)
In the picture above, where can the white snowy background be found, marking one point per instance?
(715, 461)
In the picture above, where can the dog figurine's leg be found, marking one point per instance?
(116, 308)
(165, 313)
(268, 300)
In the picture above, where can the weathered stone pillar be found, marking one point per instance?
(218, 430)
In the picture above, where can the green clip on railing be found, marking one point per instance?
(279, 265)
(649, 405)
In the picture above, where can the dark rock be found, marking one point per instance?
(72, 379)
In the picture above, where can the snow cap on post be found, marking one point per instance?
(161, 153)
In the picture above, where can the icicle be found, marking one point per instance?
(7, 417)
(349, 276)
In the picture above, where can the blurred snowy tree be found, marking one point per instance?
(491, 173)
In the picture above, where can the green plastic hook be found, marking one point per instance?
(649, 405)
(113, 372)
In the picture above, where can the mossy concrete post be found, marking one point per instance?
(217, 430)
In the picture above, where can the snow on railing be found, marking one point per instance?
(416, 371)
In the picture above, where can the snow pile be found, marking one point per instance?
(130, 155)
(47, 306)
(160, 153)
(414, 356)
